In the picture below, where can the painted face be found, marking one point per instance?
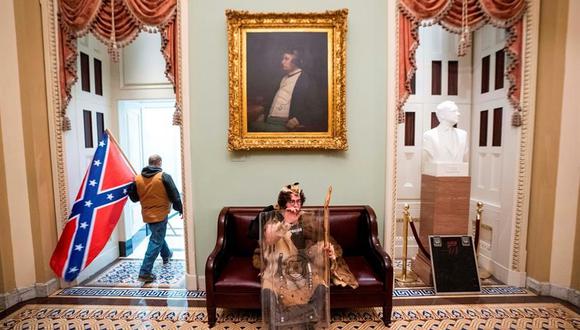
(294, 202)
(287, 64)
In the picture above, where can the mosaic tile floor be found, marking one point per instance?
(125, 272)
(489, 316)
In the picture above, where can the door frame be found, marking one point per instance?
(521, 189)
(57, 145)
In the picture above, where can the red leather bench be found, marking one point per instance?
(232, 281)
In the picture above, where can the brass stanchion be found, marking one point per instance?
(403, 276)
(483, 273)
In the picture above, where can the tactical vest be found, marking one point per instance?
(155, 204)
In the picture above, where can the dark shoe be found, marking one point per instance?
(147, 278)
(166, 261)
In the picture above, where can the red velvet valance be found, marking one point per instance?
(505, 14)
(79, 17)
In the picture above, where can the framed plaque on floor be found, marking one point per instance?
(454, 264)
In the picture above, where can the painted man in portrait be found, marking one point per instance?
(297, 104)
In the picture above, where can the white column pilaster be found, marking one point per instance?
(13, 149)
(566, 199)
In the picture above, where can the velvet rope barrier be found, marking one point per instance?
(421, 247)
(477, 225)
(483, 273)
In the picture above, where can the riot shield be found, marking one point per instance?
(294, 271)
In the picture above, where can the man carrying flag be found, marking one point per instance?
(156, 192)
(95, 211)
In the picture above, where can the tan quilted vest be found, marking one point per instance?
(155, 204)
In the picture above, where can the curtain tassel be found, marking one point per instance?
(465, 38)
(113, 49)
(517, 119)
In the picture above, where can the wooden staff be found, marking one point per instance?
(326, 215)
(112, 137)
(326, 228)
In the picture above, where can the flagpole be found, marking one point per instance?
(326, 228)
(326, 215)
(120, 150)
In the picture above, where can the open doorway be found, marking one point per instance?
(477, 84)
(90, 66)
(144, 129)
(135, 100)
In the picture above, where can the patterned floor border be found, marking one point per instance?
(477, 316)
(149, 293)
(486, 291)
(163, 293)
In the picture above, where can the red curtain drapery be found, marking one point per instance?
(505, 14)
(79, 17)
(408, 43)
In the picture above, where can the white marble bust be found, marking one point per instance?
(445, 143)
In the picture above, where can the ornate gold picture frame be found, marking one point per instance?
(287, 80)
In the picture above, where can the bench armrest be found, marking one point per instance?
(218, 257)
(375, 254)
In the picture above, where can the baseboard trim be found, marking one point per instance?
(574, 297)
(191, 282)
(502, 273)
(48, 288)
(516, 278)
(201, 283)
(15, 296)
(9, 299)
(553, 290)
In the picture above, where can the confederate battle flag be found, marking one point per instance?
(95, 211)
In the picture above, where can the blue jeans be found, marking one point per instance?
(156, 245)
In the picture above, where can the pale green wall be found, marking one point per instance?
(254, 178)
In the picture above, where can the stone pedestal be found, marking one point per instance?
(444, 211)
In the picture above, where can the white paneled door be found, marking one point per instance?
(90, 113)
(494, 146)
